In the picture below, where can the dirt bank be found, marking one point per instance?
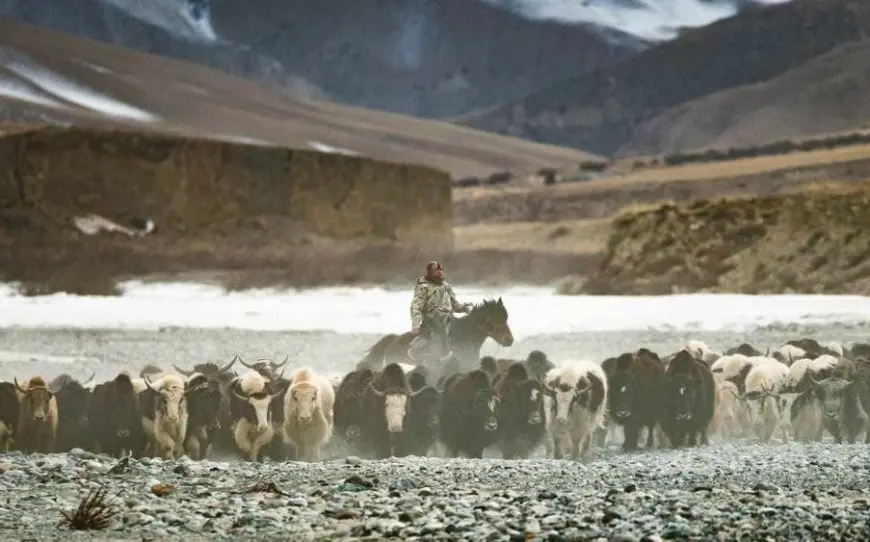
(216, 206)
(607, 196)
(811, 242)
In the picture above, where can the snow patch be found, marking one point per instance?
(655, 20)
(323, 147)
(190, 20)
(17, 90)
(61, 87)
(99, 68)
(533, 310)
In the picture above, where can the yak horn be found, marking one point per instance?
(182, 371)
(376, 391)
(243, 362)
(285, 362)
(148, 384)
(229, 365)
(18, 386)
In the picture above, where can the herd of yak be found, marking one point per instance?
(800, 391)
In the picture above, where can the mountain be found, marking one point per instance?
(164, 30)
(827, 94)
(429, 58)
(419, 57)
(654, 20)
(48, 77)
(600, 111)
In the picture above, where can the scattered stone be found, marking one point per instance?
(162, 489)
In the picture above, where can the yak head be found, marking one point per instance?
(37, 398)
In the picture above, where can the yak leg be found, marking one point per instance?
(601, 436)
(548, 446)
(384, 447)
(575, 449)
(508, 449)
(651, 437)
(475, 452)
(632, 432)
(587, 444)
(838, 436)
(557, 448)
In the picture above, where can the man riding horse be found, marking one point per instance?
(432, 308)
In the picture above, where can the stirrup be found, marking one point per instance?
(411, 356)
(447, 356)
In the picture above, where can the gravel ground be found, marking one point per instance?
(722, 492)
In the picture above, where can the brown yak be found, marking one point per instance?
(37, 422)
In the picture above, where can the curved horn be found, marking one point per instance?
(240, 397)
(243, 362)
(229, 365)
(148, 384)
(283, 363)
(182, 371)
(90, 379)
(375, 390)
(18, 386)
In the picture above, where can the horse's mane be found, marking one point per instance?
(482, 306)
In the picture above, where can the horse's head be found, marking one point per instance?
(493, 319)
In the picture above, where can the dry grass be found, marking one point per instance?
(712, 171)
(564, 236)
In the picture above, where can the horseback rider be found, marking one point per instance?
(432, 308)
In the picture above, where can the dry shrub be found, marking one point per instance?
(94, 512)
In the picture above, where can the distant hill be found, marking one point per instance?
(827, 94)
(601, 111)
(48, 77)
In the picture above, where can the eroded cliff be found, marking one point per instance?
(216, 206)
(816, 241)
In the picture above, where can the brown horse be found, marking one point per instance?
(487, 319)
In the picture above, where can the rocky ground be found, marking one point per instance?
(812, 242)
(727, 492)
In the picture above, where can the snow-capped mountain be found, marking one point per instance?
(427, 58)
(654, 20)
(188, 19)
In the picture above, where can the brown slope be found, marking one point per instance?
(827, 94)
(600, 111)
(193, 100)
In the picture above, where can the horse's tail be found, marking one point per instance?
(374, 358)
